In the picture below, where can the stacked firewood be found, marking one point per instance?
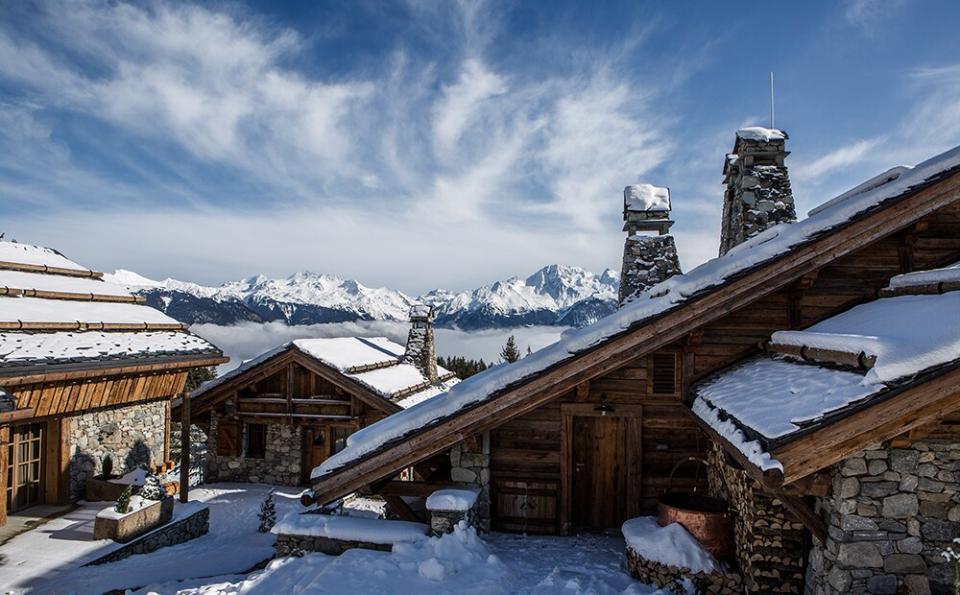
(769, 542)
(675, 578)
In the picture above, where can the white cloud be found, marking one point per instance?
(842, 157)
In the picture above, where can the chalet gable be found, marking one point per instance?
(785, 259)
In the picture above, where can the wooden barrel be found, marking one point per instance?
(707, 519)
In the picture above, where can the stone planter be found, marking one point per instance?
(101, 489)
(144, 516)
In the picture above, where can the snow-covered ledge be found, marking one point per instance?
(331, 534)
(142, 515)
(450, 506)
(669, 557)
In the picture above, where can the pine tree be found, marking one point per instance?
(268, 514)
(529, 351)
(152, 488)
(123, 502)
(510, 353)
(461, 366)
(197, 376)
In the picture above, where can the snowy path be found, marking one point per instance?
(48, 559)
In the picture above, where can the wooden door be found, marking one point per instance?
(25, 485)
(600, 473)
(316, 448)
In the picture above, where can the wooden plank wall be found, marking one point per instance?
(67, 398)
(526, 451)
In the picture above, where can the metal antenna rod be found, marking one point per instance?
(773, 122)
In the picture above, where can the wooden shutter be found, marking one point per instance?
(663, 378)
(228, 439)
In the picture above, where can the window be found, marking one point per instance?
(663, 378)
(339, 434)
(256, 441)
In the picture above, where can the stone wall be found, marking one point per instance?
(468, 466)
(758, 194)
(185, 529)
(133, 436)
(890, 514)
(280, 464)
(770, 544)
(297, 545)
(647, 260)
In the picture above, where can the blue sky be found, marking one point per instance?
(422, 144)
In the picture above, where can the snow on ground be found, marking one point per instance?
(459, 563)
(49, 559)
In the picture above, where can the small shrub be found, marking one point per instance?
(268, 514)
(107, 466)
(123, 502)
(152, 488)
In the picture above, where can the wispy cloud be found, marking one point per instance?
(842, 157)
(867, 15)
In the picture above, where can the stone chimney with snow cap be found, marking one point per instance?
(421, 350)
(647, 259)
(758, 194)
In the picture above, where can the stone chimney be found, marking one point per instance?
(647, 259)
(758, 194)
(421, 351)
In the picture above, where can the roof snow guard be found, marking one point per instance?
(56, 315)
(664, 312)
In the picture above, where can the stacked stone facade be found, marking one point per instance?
(770, 545)
(132, 436)
(471, 465)
(647, 260)
(421, 349)
(758, 194)
(280, 464)
(891, 513)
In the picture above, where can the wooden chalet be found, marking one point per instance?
(586, 433)
(276, 417)
(87, 371)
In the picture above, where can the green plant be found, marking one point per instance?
(152, 488)
(107, 466)
(123, 502)
(268, 514)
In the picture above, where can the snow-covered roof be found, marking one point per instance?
(947, 274)
(36, 255)
(761, 133)
(769, 398)
(30, 348)
(42, 282)
(646, 197)
(375, 362)
(671, 294)
(34, 333)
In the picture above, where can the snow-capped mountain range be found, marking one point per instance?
(554, 295)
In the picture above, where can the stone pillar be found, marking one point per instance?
(758, 193)
(647, 259)
(421, 349)
(471, 465)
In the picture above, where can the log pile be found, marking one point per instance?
(674, 578)
(770, 543)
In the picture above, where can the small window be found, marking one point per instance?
(256, 441)
(340, 435)
(663, 379)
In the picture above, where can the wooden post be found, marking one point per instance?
(185, 448)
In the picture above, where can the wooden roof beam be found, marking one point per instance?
(48, 270)
(72, 296)
(858, 360)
